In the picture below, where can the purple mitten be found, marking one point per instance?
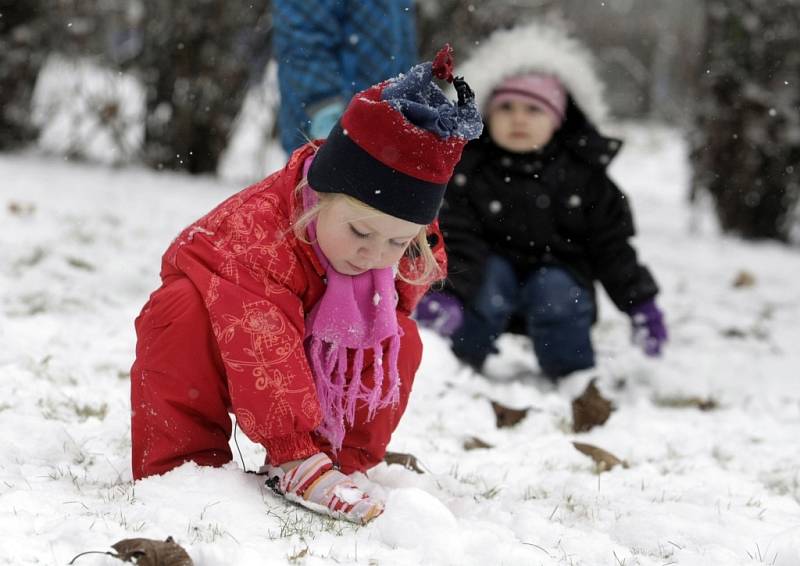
(649, 330)
(441, 312)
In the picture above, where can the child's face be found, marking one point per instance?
(520, 127)
(355, 239)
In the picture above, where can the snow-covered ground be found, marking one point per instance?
(79, 253)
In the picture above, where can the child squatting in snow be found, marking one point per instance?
(289, 304)
(531, 219)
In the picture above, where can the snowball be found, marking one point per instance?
(349, 495)
(415, 519)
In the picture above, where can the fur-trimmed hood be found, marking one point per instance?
(541, 47)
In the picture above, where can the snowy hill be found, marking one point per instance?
(79, 253)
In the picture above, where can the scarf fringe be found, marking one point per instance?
(354, 391)
(393, 394)
(339, 399)
(373, 397)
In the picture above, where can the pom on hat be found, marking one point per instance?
(544, 91)
(397, 142)
(443, 64)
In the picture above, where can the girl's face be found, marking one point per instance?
(355, 239)
(520, 127)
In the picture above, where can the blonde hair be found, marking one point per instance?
(424, 267)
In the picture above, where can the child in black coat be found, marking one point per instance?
(531, 219)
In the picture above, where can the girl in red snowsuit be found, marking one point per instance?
(288, 305)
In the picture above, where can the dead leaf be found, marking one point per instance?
(707, 404)
(475, 443)
(408, 461)
(79, 263)
(603, 459)
(148, 552)
(506, 416)
(590, 409)
(744, 279)
(21, 208)
(733, 332)
(300, 554)
(108, 112)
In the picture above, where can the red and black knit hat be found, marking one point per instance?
(396, 144)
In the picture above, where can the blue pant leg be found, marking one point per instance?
(486, 316)
(559, 313)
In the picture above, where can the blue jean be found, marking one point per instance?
(558, 313)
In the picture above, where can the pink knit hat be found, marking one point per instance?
(545, 91)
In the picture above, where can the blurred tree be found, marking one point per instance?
(22, 50)
(83, 107)
(196, 60)
(77, 28)
(746, 142)
(462, 23)
(646, 52)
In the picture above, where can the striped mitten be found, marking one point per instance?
(317, 485)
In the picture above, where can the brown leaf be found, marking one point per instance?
(744, 279)
(148, 552)
(408, 461)
(707, 404)
(79, 263)
(733, 332)
(506, 416)
(475, 443)
(590, 409)
(603, 460)
(21, 208)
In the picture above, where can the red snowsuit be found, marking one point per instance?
(224, 333)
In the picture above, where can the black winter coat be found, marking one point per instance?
(552, 207)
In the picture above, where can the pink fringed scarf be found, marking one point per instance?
(355, 313)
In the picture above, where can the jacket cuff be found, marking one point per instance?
(281, 449)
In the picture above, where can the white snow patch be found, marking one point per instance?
(416, 520)
(80, 252)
